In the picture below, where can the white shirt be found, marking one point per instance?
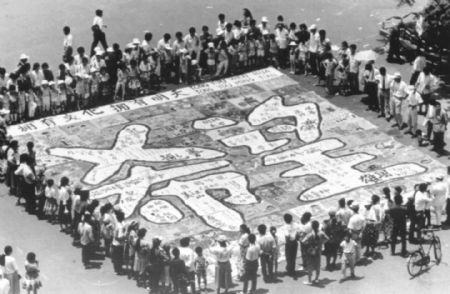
(64, 195)
(426, 83)
(25, 171)
(290, 231)
(264, 30)
(68, 41)
(353, 63)
(414, 99)
(98, 21)
(119, 234)
(348, 247)
(188, 256)
(357, 222)
(387, 81)
(399, 90)
(314, 41)
(10, 265)
(281, 37)
(86, 235)
(439, 191)
(4, 286)
(421, 201)
(343, 215)
(223, 254)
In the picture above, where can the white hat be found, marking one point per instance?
(129, 46)
(60, 82)
(110, 49)
(99, 52)
(136, 41)
(397, 75)
(313, 27)
(292, 43)
(44, 82)
(24, 56)
(210, 45)
(264, 19)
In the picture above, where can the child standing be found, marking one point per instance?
(51, 196)
(260, 51)
(211, 61)
(348, 255)
(293, 56)
(200, 266)
(273, 51)
(273, 232)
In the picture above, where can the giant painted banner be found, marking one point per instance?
(209, 157)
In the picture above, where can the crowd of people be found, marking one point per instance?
(108, 74)
(101, 230)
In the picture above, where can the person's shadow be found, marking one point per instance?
(355, 278)
(322, 283)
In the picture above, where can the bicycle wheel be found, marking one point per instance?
(415, 263)
(437, 250)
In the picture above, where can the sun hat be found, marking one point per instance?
(313, 27)
(136, 41)
(24, 56)
(397, 75)
(264, 19)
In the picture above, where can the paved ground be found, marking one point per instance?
(60, 262)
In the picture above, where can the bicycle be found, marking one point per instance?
(421, 258)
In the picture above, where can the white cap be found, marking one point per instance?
(313, 27)
(264, 19)
(397, 75)
(24, 56)
(136, 41)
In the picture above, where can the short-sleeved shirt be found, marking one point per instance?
(348, 247)
(253, 252)
(222, 254)
(267, 243)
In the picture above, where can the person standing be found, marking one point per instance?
(118, 243)
(398, 89)
(223, 254)
(251, 265)
(356, 225)
(267, 245)
(67, 43)
(177, 272)
(440, 121)
(313, 49)
(313, 242)
(353, 75)
(394, 45)
(188, 256)
(27, 180)
(98, 31)
(291, 236)
(398, 214)
(383, 82)
(11, 271)
(343, 214)
(413, 102)
(32, 282)
(438, 191)
(12, 158)
(86, 239)
(370, 86)
(421, 203)
(335, 232)
(426, 84)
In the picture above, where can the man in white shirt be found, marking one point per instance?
(343, 214)
(398, 90)
(438, 191)
(422, 201)
(383, 81)
(264, 27)
(426, 84)
(281, 37)
(313, 49)
(353, 75)
(221, 24)
(413, 102)
(356, 226)
(86, 239)
(192, 42)
(188, 256)
(267, 245)
(98, 31)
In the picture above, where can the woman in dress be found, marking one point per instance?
(313, 248)
(244, 232)
(32, 282)
(223, 253)
(387, 222)
(11, 271)
(372, 229)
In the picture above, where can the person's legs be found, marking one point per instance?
(413, 123)
(291, 256)
(95, 42)
(264, 266)
(381, 102)
(394, 235)
(103, 40)
(403, 240)
(438, 208)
